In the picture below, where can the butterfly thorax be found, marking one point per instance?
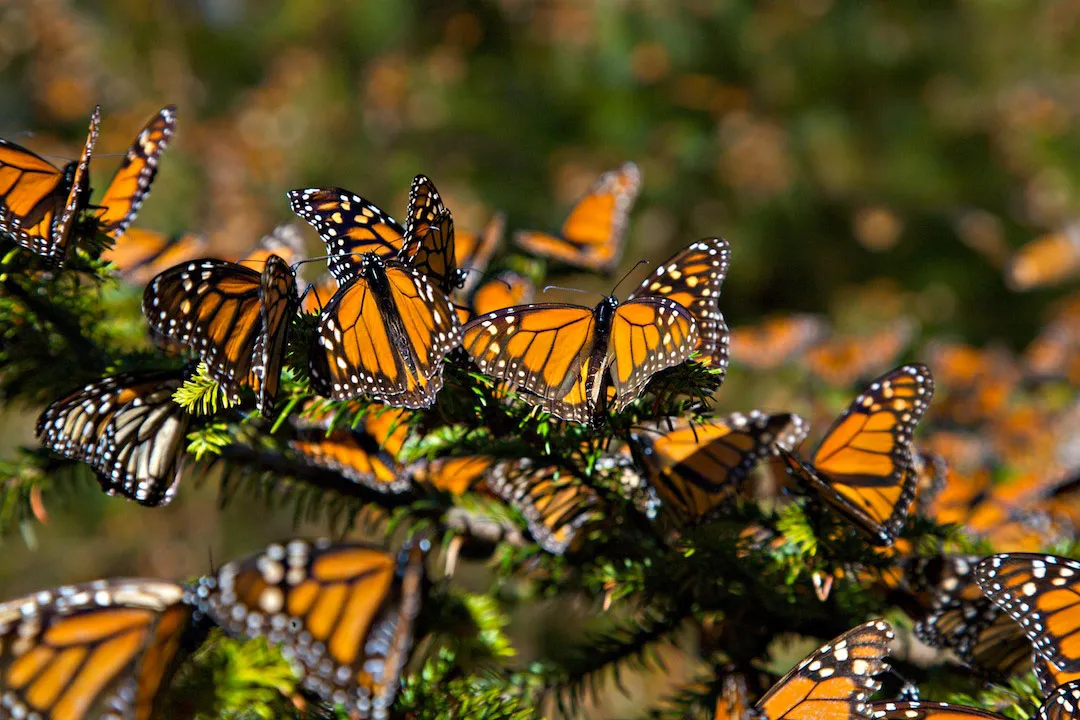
(373, 271)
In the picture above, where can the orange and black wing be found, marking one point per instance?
(101, 649)
(278, 305)
(917, 710)
(841, 361)
(696, 468)
(1042, 593)
(1061, 691)
(648, 335)
(864, 465)
(38, 202)
(835, 680)
(368, 455)
(284, 240)
(349, 225)
(733, 700)
(128, 429)
(592, 236)
(385, 339)
(693, 278)
(506, 289)
(131, 183)
(213, 307)
(342, 614)
(140, 254)
(557, 506)
(473, 252)
(545, 350)
(454, 475)
(775, 341)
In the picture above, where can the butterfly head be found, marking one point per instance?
(606, 308)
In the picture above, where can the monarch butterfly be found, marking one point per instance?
(505, 290)
(1047, 260)
(140, 254)
(388, 327)
(100, 649)
(832, 682)
(863, 466)
(932, 471)
(980, 381)
(38, 201)
(559, 354)
(343, 615)
(592, 235)
(692, 277)
(776, 340)
(1060, 690)
(473, 252)
(236, 318)
(429, 236)
(555, 505)
(841, 361)
(733, 702)
(1042, 593)
(131, 183)
(128, 429)
(455, 475)
(696, 467)
(367, 455)
(284, 241)
(919, 710)
(961, 618)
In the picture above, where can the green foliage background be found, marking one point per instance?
(807, 133)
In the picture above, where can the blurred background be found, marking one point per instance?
(867, 161)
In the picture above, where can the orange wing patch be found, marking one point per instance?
(131, 183)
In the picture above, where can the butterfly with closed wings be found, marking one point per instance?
(235, 318)
(863, 467)
(388, 327)
(128, 429)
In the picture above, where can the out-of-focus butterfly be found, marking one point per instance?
(693, 278)
(235, 318)
(473, 252)
(776, 340)
(863, 466)
(1042, 593)
(697, 467)
(1049, 259)
(978, 381)
(960, 617)
(388, 327)
(128, 429)
(556, 505)
(843, 360)
(103, 649)
(455, 475)
(733, 700)
(343, 615)
(131, 184)
(593, 233)
(506, 289)
(39, 202)
(139, 254)
(367, 455)
(560, 354)
(834, 681)
(285, 241)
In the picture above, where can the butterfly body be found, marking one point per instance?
(560, 355)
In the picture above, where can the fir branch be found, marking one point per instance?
(201, 394)
(81, 346)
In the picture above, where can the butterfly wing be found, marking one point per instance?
(140, 254)
(593, 234)
(696, 468)
(918, 710)
(1042, 593)
(841, 361)
(213, 307)
(648, 335)
(38, 202)
(278, 305)
(506, 289)
(544, 349)
(454, 475)
(864, 465)
(556, 506)
(776, 340)
(835, 680)
(128, 429)
(367, 455)
(349, 225)
(473, 252)
(1063, 703)
(85, 651)
(131, 183)
(342, 614)
(733, 701)
(693, 278)
(385, 334)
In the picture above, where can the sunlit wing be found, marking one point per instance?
(776, 340)
(278, 307)
(355, 603)
(648, 335)
(454, 475)
(285, 241)
(592, 235)
(473, 252)
(131, 183)
(693, 278)
(506, 289)
(38, 202)
(140, 254)
(355, 455)
(841, 361)
(916, 710)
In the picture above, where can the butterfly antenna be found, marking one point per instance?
(485, 275)
(311, 288)
(629, 272)
(570, 289)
